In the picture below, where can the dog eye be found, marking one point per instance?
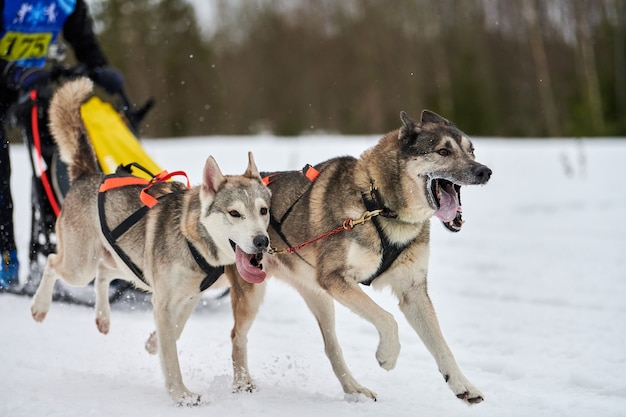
(444, 152)
(263, 211)
(234, 213)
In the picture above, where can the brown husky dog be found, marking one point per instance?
(175, 250)
(395, 188)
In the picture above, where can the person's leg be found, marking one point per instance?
(9, 273)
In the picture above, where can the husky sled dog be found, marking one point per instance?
(412, 174)
(176, 250)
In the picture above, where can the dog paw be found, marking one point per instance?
(470, 399)
(244, 386)
(357, 391)
(242, 381)
(103, 325)
(38, 316)
(353, 389)
(387, 353)
(464, 390)
(38, 313)
(151, 344)
(188, 399)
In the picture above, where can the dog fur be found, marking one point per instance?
(225, 219)
(417, 172)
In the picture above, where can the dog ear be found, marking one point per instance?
(252, 171)
(409, 129)
(212, 177)
(432, 117)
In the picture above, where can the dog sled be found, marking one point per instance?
(112, 127)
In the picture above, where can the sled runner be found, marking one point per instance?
(112, 130)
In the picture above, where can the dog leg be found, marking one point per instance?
(185, 310)
(43, 297)
(246, 299)
(104, 276)
(323, 308)
(420, 313)
(350, 295)
(166, 339)
(77, 269)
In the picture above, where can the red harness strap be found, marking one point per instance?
(162, 176)
(310, 172)
(268, 179)
(116, 182)
(148, 200)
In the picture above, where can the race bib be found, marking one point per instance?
(15, 46)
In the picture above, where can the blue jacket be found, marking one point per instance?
(28, 27)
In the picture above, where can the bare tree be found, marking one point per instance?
(530, 9)
(588, 61)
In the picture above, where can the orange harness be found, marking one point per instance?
(115, 181)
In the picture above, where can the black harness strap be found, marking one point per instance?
(212, 272)
(128, 222)
(391, 251)
(311, 173)
(112, 238)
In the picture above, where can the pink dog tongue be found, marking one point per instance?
(248, 272)
(448, 204)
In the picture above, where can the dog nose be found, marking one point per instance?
(261, 242)
(482, 173)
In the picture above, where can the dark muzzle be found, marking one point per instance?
(481, 174)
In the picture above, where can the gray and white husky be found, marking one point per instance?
(412, 174)
(175, 250)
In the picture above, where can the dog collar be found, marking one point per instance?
(374, 202)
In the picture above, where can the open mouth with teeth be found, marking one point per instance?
(249, 265)
(445, 197)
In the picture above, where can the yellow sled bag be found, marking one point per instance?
(115, 144)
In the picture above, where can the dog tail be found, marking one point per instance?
(68, 130)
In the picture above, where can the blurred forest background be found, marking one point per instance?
(494, 67)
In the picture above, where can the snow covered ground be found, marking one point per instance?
(531, 296)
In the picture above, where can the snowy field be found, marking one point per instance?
(531, 296)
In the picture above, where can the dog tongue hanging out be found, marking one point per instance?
(449, 204)
(249, 266)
